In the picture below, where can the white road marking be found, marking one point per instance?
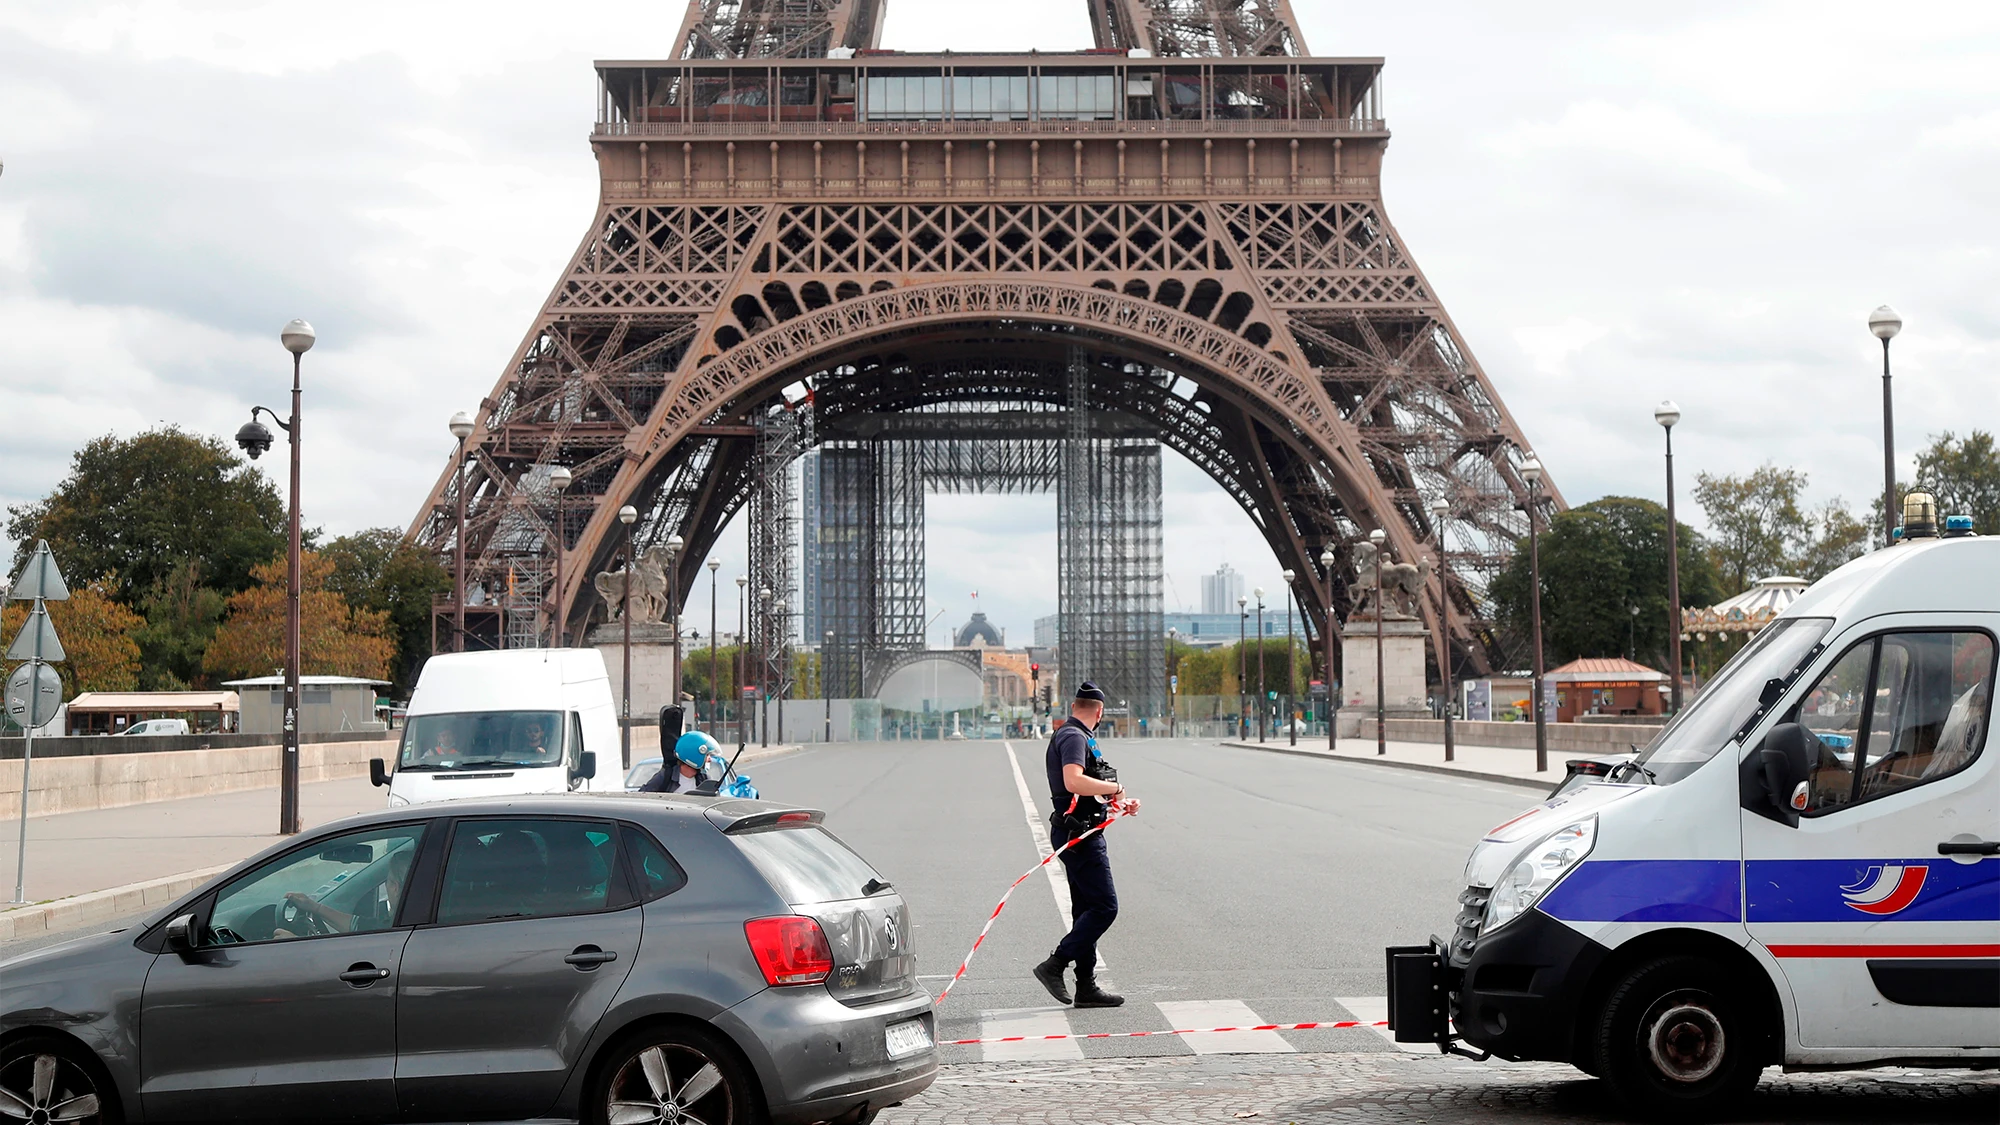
(1376, 1008)
(1028, 1021)
(1223, 1013)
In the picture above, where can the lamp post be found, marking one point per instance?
(1531, 471)
(298, 338)
(1666, 414)
(1263, 689)
(1291, 656)
(824, 650)
(742, 668)
(675, 544)
(1379, 537)
(1242, 667)
(560, 477)
(714, 679)
(627, 515)
(461, 428)
(1326, 560)
(764, 664)
(1173, 683)
(1884, 323)
(1440, 511)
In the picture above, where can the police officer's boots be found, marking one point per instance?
(1050, 973)
(1088, 995)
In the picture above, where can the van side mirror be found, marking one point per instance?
(586, 766)
(378, 773)
(1787, 759)
(180, 934)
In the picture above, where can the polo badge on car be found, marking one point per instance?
(1887, 888)
(889, 930)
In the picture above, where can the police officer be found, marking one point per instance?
(1082, 786)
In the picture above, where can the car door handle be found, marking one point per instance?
(1969, 847)
(363, 974)
(589, 957)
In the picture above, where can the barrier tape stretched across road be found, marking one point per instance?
(1333, 1025)
(1117, 811)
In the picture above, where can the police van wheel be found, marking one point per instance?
(1674, 1041)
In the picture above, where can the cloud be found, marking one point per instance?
(1642, 142)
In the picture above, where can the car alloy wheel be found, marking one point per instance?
(672, 1084)
(44, 1087)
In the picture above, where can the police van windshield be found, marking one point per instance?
(1706, 726)
(482, 740)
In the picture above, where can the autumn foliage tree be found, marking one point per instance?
(97, 634)
(334, 639)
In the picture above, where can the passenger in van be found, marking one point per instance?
(443, 747)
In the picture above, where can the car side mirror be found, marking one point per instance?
(180, 934)
(586, 766)
(1787, 758)
(378, 772)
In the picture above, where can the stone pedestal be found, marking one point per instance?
(1405, 642)
(652, 664)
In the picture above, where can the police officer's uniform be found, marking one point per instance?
(1088, 865)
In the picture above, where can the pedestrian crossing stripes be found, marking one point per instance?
(1047, 1033)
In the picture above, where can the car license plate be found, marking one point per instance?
(907, 1038)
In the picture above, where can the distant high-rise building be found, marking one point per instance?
(1220, 590)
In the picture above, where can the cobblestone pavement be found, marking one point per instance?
(1380, 1086)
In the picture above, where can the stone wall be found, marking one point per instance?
(107, 781)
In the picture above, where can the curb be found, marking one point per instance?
(1537, 784)
(97, 907)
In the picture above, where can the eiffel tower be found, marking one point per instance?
(1067, 260)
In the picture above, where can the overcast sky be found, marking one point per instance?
(1617, 203)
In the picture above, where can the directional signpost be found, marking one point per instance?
(34, 691)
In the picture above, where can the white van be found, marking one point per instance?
(485, 724)
(1802, 870)
(156, 726)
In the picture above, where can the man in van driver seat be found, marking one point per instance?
(535, 739)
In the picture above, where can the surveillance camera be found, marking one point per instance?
(254, 438)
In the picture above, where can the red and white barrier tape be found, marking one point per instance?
(1117, 811)
(1333, 1025)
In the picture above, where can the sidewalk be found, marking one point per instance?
(1486, 763)
(86, 868)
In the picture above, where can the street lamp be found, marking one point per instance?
(628, 515)
(254, 438)
(1326, 560)
(1885, 324)
(823, 651)
(714, 680)
(1291, 656)
(1263, 689)
(1666, 414)
(1440, 511)
(674, 546)
(1242, 667)
(764, 662)
(1379, 537)
(1173, 683)
(461, 428)
(742, 666)
(560, 478)
(1531, 471)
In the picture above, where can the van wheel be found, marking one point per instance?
(671, 1075)
(1675, 1041)
(43, 1078)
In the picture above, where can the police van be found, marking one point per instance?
(1802, 870)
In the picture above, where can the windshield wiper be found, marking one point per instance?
(876, 886)
(488, 763)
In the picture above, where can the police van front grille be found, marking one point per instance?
(1471, 911)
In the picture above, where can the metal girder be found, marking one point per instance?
(1197, 28)
(764, 29)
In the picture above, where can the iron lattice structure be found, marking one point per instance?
(848, 240)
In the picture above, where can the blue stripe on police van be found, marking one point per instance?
(1648, 890)
(1867, 890)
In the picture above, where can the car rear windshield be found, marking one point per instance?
(808, 864)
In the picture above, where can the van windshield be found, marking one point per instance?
(482, 740)
(1707, 725)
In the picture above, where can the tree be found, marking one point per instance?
(96, 634)
(376, 570)
(1835, 538)
(181, 617)
(1754, 523)
(1964, 475)
(1600, 561)
(335, 638)
(140, 507)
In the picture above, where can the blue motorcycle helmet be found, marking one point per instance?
(694, 749)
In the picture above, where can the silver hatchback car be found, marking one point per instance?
(595, 958)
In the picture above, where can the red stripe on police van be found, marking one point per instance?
(1884, 950)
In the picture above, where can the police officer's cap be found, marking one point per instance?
(1089, 692)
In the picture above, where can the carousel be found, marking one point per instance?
(1746, 613)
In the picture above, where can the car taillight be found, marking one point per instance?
(790, 949)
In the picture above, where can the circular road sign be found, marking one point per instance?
(34, 692)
